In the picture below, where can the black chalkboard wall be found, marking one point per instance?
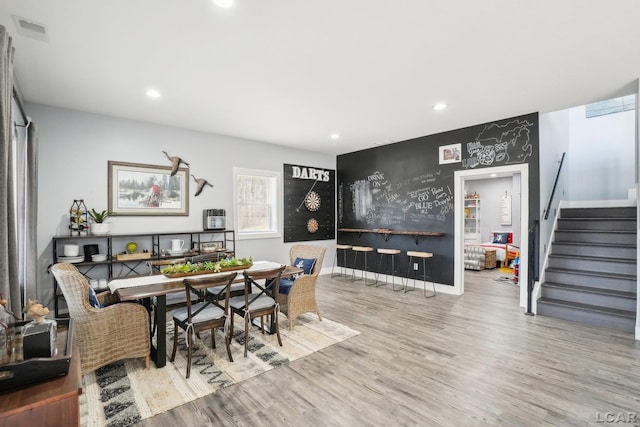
(403, 187)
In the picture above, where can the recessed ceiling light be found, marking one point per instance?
(440, 106)
(223, 3)
(335, 136)
(154, 93)
(493, 175)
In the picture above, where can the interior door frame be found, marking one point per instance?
(460, 178)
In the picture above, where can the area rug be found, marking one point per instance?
(124, 393)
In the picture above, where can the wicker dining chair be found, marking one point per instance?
(256, 302)
(208, 314)
(298, 296)
(103, 335)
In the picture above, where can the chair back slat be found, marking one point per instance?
(271, 279)
(199, 288)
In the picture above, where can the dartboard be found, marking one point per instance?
(312, 225)
(312, 201)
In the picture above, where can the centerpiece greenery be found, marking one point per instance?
(207, 266)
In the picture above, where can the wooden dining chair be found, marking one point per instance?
(194, 317)
(259, 302)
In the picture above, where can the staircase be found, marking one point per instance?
(591, 273)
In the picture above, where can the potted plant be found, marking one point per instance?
(99, 225)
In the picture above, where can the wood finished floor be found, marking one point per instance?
(450, 361)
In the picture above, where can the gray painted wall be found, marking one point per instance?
(555, 132)
(602, 160)
(491, 191)
(75, 147)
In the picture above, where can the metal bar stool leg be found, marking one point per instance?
(379, 268)
(389, 253)
(364, 272)
(364, 250)
(335, 262)
(343, 268)
(393, 284)
(393, 272)
(406, 286)
(353, 270)
(423, 256)
(424, 275)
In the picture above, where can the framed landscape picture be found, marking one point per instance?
(139, 189)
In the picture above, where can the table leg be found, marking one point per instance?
(159, 352)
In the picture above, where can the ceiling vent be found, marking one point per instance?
(33, 30)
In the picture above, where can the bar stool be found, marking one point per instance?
(424, 256)
(364, 250)
(391, 254)
(343, 269)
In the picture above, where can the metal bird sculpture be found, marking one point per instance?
(175, 163)
(201, 184)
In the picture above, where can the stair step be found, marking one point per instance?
(613, 281)
(592, 268)
(596, 236)
(601, 291)
(621, 320)
(602, 297)
(612, 311)
(627, 252)
(593, 264)
(599, 224)
(608, 212)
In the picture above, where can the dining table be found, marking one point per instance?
(158, 286)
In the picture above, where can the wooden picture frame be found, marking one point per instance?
(136, 189)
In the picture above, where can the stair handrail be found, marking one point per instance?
(547, 209)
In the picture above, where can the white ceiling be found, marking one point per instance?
(292, 72)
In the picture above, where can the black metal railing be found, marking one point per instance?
(532, 276)
(547, 209)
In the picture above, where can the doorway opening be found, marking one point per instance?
(460, 180)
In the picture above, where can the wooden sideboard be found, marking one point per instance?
(51, 403)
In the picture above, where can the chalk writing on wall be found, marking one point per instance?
(500, 145)
(377, 201)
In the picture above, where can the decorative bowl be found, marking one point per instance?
(98, 257)
(71, 250)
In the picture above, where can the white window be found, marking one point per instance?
(257, 203)
(610, 106)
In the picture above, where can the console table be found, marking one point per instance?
(51, 403)
(154, 243)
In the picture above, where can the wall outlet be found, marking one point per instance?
(415, 265)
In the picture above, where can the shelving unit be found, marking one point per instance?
(472, 220)
(155, 243)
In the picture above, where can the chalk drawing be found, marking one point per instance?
(500, 145)
(377, 201)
